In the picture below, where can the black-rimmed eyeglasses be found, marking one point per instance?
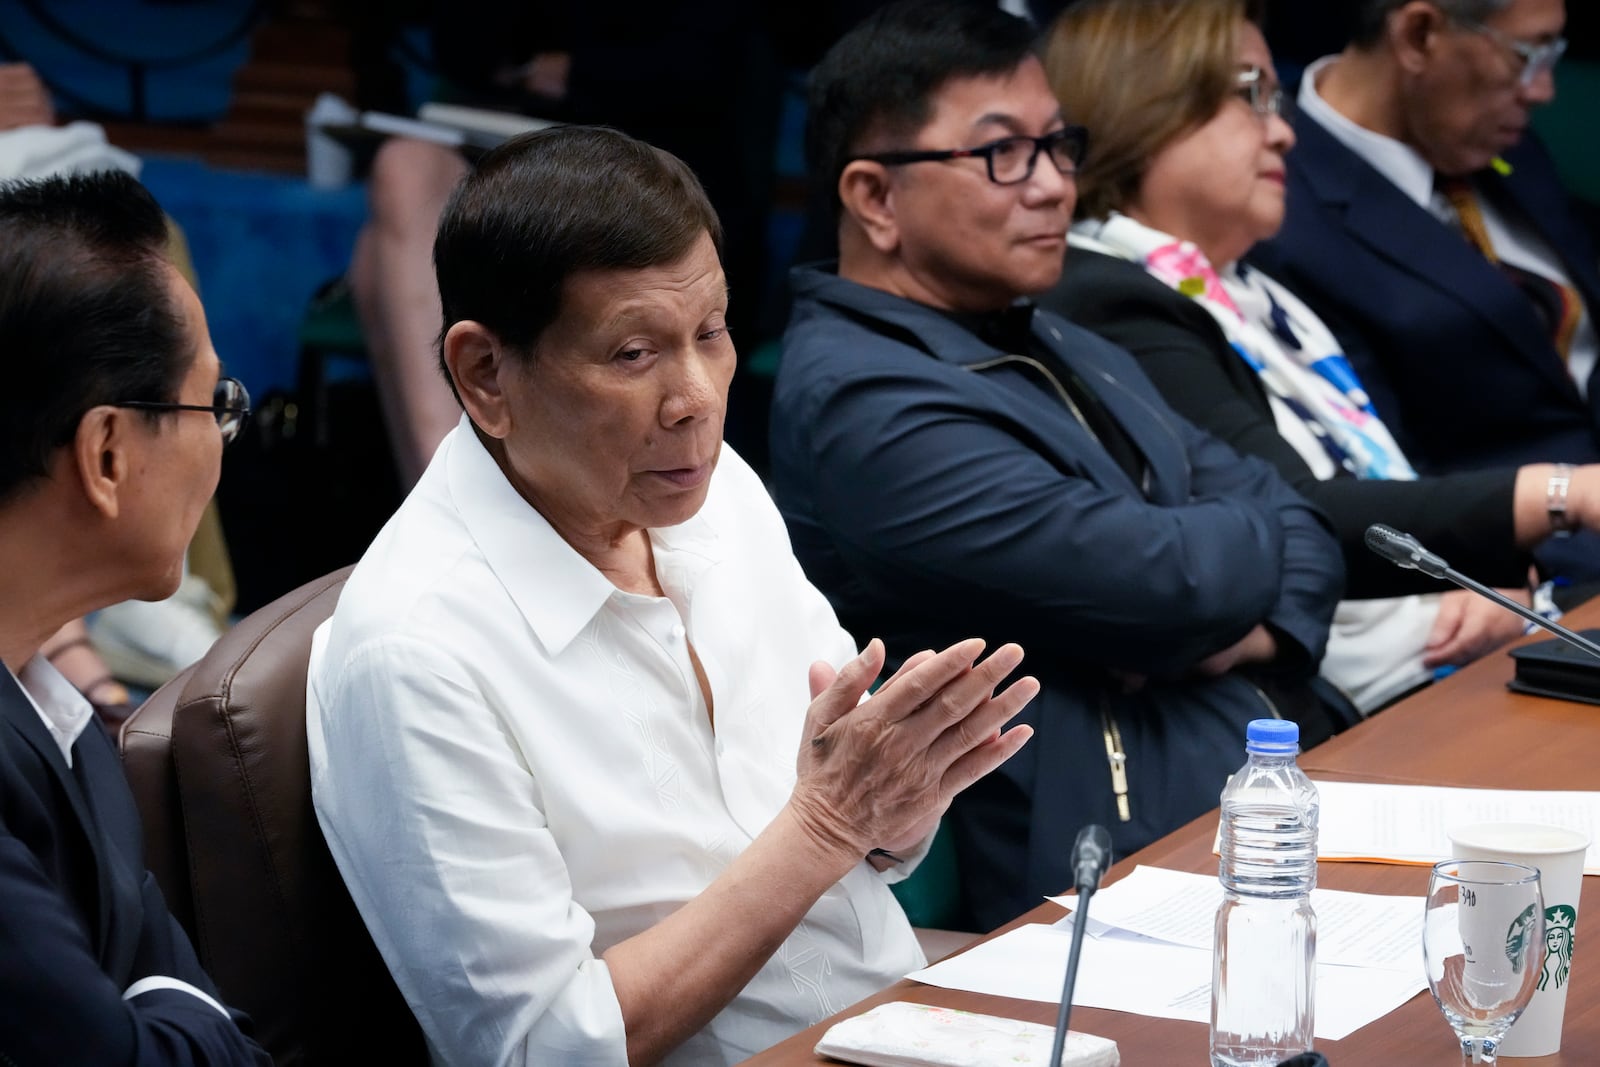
(1264, 95)
(230, 405)
(1010, 160)
(1536, 59)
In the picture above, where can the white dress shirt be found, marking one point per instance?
(64, 711)
(1513, 238)
(515, 770)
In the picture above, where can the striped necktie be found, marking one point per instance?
(1558, 306)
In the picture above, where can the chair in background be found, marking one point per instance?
(217, 761)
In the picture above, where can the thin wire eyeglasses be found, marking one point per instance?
(230, 405)
(1010, 160)
(1536, 59)
(1264, 96)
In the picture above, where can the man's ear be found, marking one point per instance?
(99, 459)
(479, 364)
(866, 195)
(1413, 32)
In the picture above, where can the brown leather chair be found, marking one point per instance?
(217, 761)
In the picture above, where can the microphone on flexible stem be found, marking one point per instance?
(1406, 551)
(1091, 855)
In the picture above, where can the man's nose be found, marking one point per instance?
(693, 393)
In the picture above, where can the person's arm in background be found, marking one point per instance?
(24, 101)
(1312, 567)
(940, 508)
(1467, 517)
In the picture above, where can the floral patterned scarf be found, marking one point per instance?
(1316, 397)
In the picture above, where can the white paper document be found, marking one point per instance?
(1408, 823)
(1149, 952)
(1353, 929)
(1124, 972)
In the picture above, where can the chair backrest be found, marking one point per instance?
(217, 761)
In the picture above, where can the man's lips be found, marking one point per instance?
(685, 477)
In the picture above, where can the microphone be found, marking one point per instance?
(1091, 856)
(1406, 551)
(1403, 550)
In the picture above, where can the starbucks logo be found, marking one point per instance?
(1560, 929)
(1517, 937)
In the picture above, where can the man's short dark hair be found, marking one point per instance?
(86, 317)
(1374, 17)
(547, 205)
(878, 82)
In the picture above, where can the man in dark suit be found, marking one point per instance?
(111, 431)
(1430, 231)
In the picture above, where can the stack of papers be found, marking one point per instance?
(1148, 951)
(1409, 823)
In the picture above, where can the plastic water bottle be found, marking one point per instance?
(1263, 970)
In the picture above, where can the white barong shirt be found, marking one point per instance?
(514, 768)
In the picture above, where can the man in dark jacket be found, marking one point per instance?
(951, 460)
(1431, 233)
(111, 432)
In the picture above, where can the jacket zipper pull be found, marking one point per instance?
(1119, 765)
(1119, 785)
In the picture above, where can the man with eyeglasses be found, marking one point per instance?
(1428, 228)
(109, 450)
(951, 460)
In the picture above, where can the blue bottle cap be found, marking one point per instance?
(1272, 735)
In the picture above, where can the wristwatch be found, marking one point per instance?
(1555, 500)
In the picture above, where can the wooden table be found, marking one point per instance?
(1466, 731)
